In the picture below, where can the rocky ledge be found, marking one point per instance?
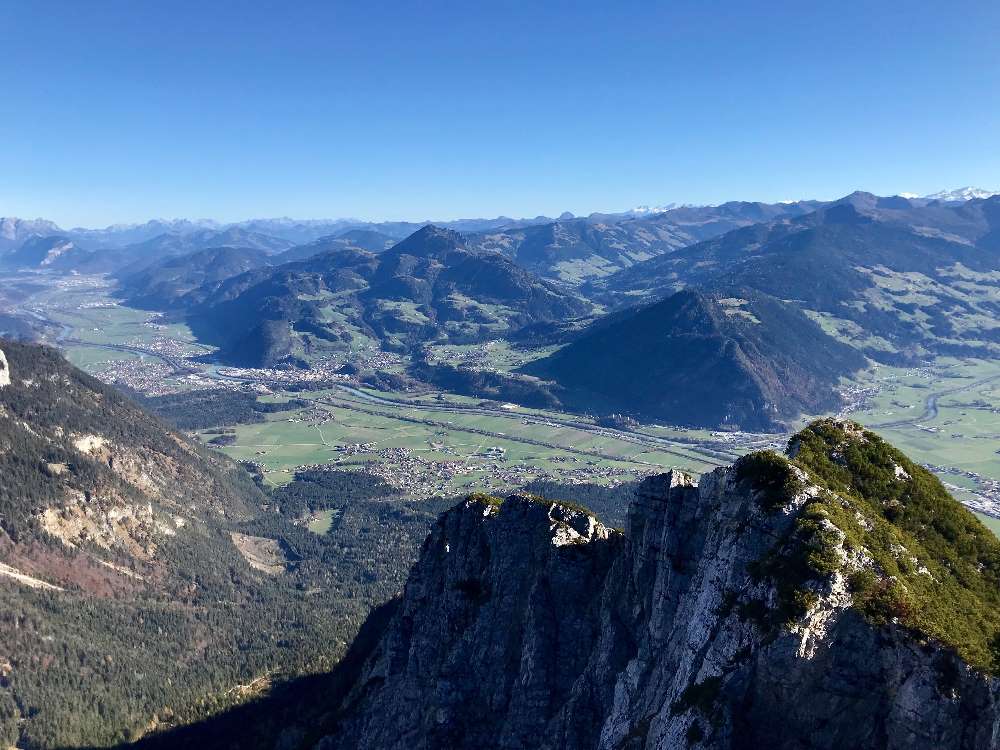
(837, 598)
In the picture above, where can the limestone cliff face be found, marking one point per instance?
(528, 624)
(92, 471)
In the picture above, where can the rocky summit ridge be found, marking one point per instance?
(834, 597)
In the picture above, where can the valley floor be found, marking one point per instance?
(945, 414)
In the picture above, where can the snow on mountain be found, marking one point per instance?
(961, 194)
(14, 231)
(649, 210)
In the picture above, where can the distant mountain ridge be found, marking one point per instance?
(14, 230)
(187, 279)
(571, 250)
(430, 286)
(961, 194)
(851, 262)
(190, 278)
(575, 251)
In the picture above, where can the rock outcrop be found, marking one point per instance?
(774, 603)
(4, 370)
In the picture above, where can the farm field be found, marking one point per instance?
(350, 432)
(962, 430)
(993, 524)
(945, 414)
(321, 522)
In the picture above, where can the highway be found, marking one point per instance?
(711, 455)
(678, 447)
(930, 405)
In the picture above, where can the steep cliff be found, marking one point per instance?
(837, 598)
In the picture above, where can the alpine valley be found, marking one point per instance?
(715, 477)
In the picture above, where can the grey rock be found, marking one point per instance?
(528, 624)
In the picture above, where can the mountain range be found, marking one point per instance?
(14, 231)
(900, 281)
(959, 195)
(430, 286)
(825, 285)
(576, 250)
(178, 281)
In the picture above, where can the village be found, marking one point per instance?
(418, 477)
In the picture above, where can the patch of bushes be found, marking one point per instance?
(568, 504)
(496, 502)
(485, 499)
(936, 566)
(771, 476)
(809, 552)
(886, 602)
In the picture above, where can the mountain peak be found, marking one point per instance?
(725, 358)
(961, 194)
(848, 212)
(650, 210)
(858, 199)
(429, 241)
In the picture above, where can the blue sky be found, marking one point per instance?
(119, 110)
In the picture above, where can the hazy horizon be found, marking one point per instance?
(209, 220)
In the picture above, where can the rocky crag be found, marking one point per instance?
(833, 598)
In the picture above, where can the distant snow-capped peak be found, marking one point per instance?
(961, 194)
(650, 210)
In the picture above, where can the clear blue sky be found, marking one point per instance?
(121, 110)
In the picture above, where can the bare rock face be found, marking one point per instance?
(528, 624)
(4, 370)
